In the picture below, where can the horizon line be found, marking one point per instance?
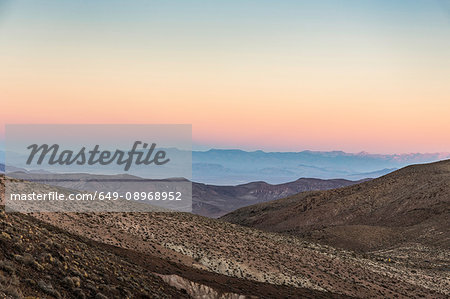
(205, 149)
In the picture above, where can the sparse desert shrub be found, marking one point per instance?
(7, 266)
(9, 286)
(79, 293)
(76, 281)
(38, 266)
(100, 296)
(69, 282)
(28, 259)
(48, 288)
(30, 281)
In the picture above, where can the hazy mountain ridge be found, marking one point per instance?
(231, 167)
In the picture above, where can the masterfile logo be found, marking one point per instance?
(99, 168)
(95, 156)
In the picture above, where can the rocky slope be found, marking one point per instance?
(215, 201)
(411, 205)
(253, 255)
(207, 257)
(40, 260)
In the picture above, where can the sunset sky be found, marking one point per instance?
(274, 75)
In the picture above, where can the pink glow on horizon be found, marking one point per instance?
(370, 78)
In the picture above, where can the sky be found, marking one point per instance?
(273, 75)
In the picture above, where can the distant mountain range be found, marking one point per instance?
(232, 167)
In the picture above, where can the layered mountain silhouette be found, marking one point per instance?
(207, 200)
(235, 167)
(215, 201)
(232, 167)
(411, 205)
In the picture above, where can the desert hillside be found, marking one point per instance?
(202, 258)
(253, 255)
(215, 201)
(409, 206)
(41, 260)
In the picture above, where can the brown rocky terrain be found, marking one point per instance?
(403, 217)
(254, 255)
(209, 257)
(215, 201)
(411, 205)
(39, 260)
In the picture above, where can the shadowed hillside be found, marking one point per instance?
(411, 205)
(216, 201)
(39, 260)
(200, 257)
